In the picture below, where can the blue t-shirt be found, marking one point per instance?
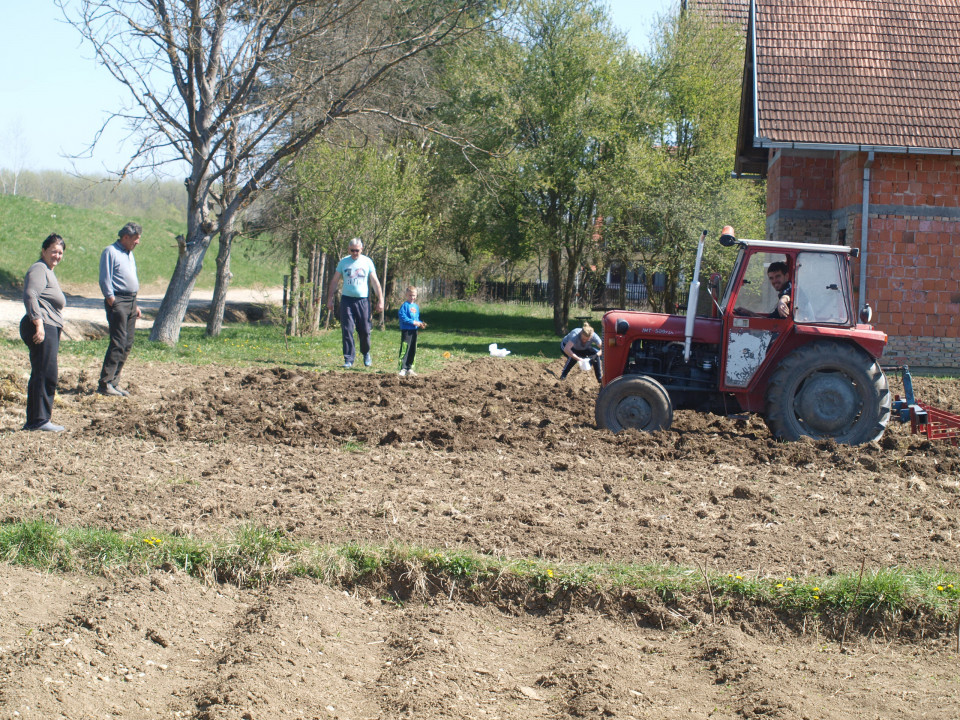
(356, 275)
(408, 315)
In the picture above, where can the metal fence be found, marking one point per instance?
(637, 296)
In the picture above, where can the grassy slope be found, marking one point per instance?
(25, 222)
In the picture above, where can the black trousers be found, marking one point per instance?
(590, 354)
(354, 314)
(122, 321)
(42, 386)
(408, 348)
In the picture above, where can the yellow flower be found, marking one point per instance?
(779, 585)
(446, 354)
(816, 589)
(739, 577)
(549, 572)
(816, 597)
(789, 579)
(940, 588)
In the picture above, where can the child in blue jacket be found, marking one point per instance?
(409, 325)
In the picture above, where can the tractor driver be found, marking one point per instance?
(779, 275)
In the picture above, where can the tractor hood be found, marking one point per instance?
(659, 326)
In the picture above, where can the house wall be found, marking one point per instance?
(913, 245)
(800, 189)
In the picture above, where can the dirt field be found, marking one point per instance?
(497, 456)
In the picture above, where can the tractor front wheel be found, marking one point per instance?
(634, 401)
(828, 390)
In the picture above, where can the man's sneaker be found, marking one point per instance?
(120, 390)
(50, 427)
(411, 373)
(402, 373)
(348, 364)
(109, 389)
(367, 360)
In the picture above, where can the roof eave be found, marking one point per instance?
(761, 142)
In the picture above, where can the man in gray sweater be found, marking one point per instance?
(119, 285)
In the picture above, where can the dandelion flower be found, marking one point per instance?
(446, 354)
(549, 572)
(940, 588)
(779, 585)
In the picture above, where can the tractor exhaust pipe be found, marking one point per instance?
(692, 299)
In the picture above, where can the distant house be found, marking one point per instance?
(851, 111)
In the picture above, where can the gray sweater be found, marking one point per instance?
(42, 296)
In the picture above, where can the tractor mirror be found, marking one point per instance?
(866, 313)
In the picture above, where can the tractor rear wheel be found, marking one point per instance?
(634, 401)
(828, 390)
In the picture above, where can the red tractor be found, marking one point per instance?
(808, 366)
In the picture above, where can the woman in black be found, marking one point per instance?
(40, 330)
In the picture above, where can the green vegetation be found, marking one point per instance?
(456, 331)
(25, 222)
(255, 556)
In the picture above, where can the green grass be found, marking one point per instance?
(25, 222)
(255, 556)
(455, 332)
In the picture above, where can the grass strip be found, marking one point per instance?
(256, 556)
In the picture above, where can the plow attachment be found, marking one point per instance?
(934, 423)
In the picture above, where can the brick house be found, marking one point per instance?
(851, 111)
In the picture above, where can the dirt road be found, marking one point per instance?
(84, 314)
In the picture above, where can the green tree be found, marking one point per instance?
(567, 112)
(678, 182)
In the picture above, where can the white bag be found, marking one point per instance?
(584, 364)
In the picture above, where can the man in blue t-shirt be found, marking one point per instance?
(358, 274)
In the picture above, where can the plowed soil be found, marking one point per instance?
(498, 456)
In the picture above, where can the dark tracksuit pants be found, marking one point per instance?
(122, 320)
(354, 315)
(591, 354)
(408, 348)
(42, 386)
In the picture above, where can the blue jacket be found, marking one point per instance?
(409, 314)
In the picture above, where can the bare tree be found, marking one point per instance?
(196, 68)
(17, 153)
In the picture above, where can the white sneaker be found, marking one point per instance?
(411, 373)
(402, 373)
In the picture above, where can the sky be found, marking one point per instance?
(54, 98)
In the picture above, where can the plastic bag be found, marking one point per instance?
(498, 352)
(584, 364)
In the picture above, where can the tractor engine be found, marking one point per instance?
(691, 385)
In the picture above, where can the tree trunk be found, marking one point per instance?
(330, 272)
(383, 286)
(293, 324)
(310, 298)
(553, 278)
(319, 291)
(173, 308)
(224, 276)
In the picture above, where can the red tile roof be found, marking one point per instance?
(731, 11)
(858, 72)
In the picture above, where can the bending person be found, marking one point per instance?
(579, 344)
